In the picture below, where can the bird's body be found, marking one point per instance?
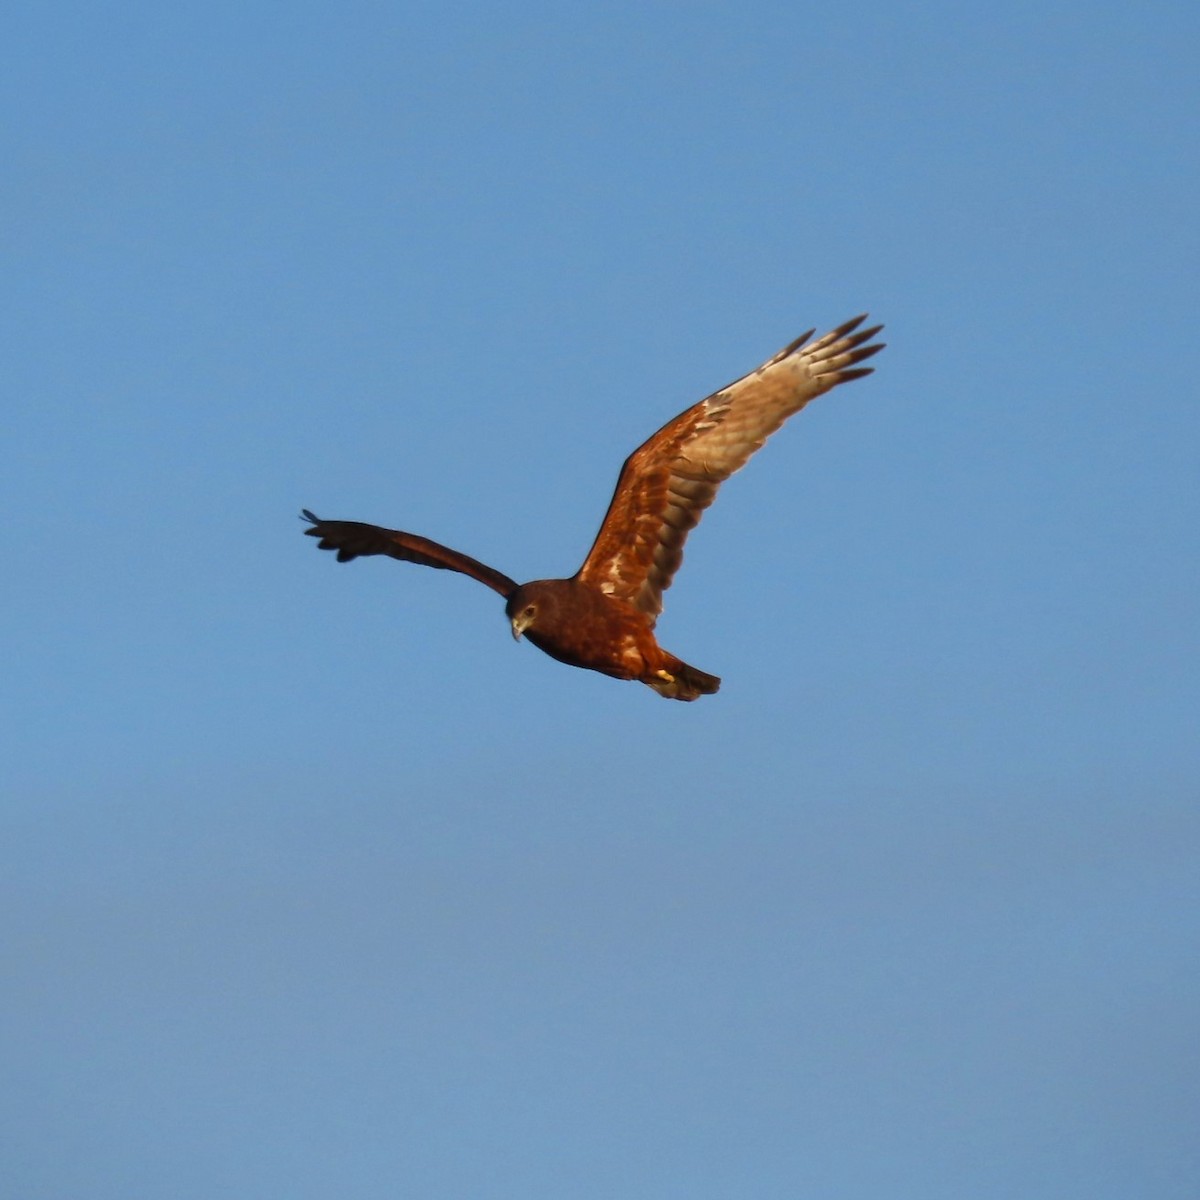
(584, 627)
(602, 618)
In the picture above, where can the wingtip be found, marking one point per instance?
(314, 524)
(796, 343)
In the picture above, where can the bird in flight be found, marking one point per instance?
(603, 617)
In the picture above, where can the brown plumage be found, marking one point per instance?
(603, 617)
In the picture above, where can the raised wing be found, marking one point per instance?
(353, 539)
(668, 481)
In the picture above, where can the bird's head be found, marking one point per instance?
(522, 610)
(536, 606)
(522, 619)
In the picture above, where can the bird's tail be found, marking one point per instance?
(678, 681)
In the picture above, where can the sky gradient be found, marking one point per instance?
(317, 885)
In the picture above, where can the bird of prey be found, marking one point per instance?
(603, 617)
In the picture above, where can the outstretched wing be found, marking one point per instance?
(353, 539)
(668, 481)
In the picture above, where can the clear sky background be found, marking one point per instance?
(316, 885)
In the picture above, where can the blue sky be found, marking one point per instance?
(316, 885)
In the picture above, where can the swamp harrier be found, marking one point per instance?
(603, 617)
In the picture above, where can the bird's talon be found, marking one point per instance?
(665, 676)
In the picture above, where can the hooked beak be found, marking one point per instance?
(519, 623)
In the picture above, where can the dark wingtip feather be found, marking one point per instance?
(793, 346)
(313, 520)
(851, 325)
(864, 335)
(866, 351)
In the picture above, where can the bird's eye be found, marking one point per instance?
(530, 611)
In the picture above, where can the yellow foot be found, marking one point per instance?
(665, 676)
